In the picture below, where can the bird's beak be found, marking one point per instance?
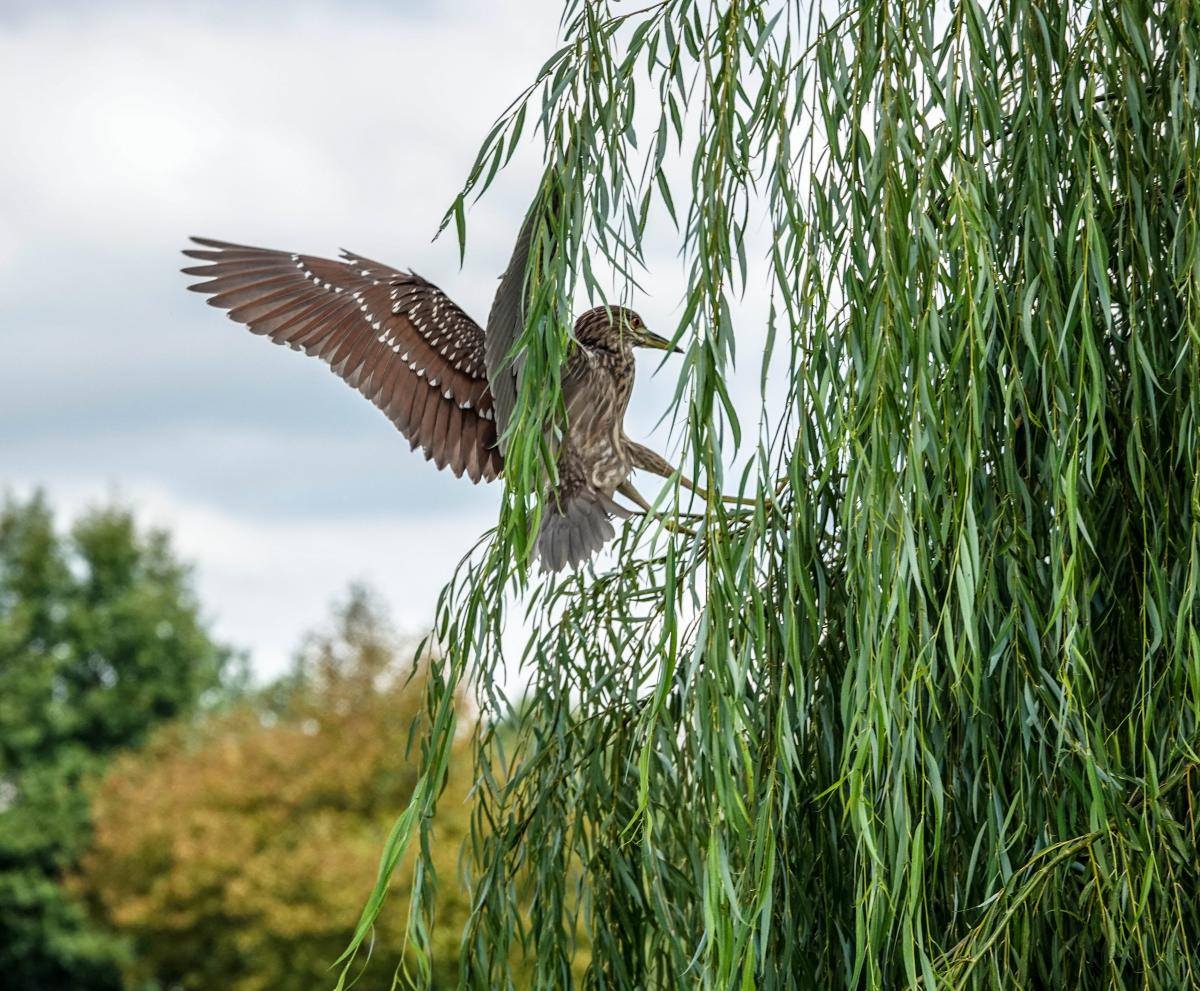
(646, 339)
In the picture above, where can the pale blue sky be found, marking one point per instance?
(307, 126)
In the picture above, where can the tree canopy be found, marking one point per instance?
(927, 715)
(101, 639)
(234, 853)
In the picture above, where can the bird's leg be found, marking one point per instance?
(651, 461)
(633, 495)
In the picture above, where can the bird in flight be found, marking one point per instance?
(446, 383)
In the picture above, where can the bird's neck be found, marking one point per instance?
(618, 360)
(620, 365)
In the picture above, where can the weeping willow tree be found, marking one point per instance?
(926, 713)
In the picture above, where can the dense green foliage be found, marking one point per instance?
(927, 716)
(233, 853)
(151, 838)
(100, 640)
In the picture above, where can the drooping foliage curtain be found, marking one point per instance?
(926, 713)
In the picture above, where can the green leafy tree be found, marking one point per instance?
(233, 853)
(927, 715)
(100, 640)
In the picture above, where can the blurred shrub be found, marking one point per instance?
(237, 855)
(100, 640)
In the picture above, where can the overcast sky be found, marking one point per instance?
(307, 126)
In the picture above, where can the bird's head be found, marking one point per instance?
(617, 328)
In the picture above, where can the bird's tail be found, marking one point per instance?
(572, 531)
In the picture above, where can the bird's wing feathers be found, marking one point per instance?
(505, 324)
(396, 338)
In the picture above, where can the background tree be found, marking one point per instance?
(928, 714)
(234, 854)
(100, 640)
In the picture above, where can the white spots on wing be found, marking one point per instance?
(311, 276)
(442, 327)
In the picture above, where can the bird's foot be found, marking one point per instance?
(670, 525)
(744, 501)
(767, 502)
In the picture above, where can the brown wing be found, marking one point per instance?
(505, 324)
(396, 338)
(506, 319)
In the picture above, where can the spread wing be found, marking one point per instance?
(505, 323)
(396, 338)
(506, 319)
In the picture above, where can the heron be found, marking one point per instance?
(446, 383)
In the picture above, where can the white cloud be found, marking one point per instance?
(265, 582)
(130, 128)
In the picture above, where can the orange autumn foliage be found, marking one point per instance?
(238, 855)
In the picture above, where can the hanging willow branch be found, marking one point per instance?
(926, 715)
